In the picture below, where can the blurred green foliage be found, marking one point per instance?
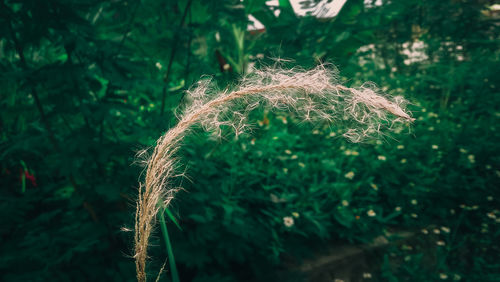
(85, 84)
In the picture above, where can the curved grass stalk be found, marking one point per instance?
(315, 95)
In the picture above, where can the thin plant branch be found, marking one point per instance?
(166, 79)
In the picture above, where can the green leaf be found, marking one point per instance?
(199, 13)
(252, 6)
(265, 16)
(170, 253)
(350, 12)
(172, 217)
(344, 216)
(342, 36)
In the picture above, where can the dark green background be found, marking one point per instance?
(86, 84)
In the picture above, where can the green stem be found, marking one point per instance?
(172, 55)
(170, 253)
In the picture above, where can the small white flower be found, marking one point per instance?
(371, 213)
(349, 175)
(158, 65)
(436, 231)
(296, 214)
(445, 229)
(414, 202)
(288, 152)
(472, 158)
(491, 215)
(374, 186)
(302, 164)
(398, 208)
(400, 147)
(425, 231)
(435, 147)
(288, 221)
(463, 151)
(489, 198)
(294, 157)
(403, 161)
(345, 203)
(440, 243)
(367, 275)
(443, 276)
(414, 215)
(382, 158)
(285, 170)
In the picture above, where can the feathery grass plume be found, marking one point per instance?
(314, 95)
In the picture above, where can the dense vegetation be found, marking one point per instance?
(86, 84)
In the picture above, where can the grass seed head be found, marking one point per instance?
(314, 95)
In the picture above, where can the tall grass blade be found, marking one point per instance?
(170, 253)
